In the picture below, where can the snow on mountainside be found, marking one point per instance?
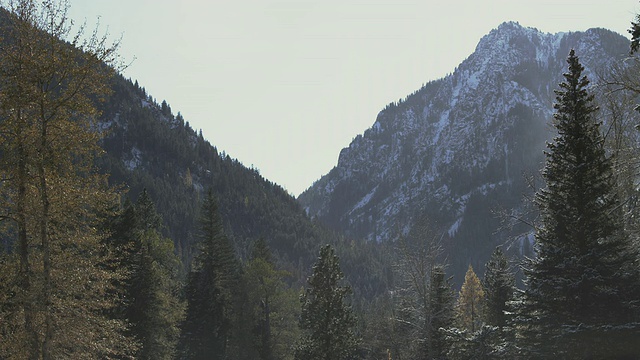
(456, 149)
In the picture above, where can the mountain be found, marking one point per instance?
(148, 147)
(456, 150)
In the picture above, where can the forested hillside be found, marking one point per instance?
(149, 147)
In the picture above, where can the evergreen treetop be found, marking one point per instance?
(211, 286)
(499, 284)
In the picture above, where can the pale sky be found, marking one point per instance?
(284, 85)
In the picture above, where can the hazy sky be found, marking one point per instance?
(283, 86)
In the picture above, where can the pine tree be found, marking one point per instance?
(267, 295)
(441, 301)
(210, 290)
(499, 284)
(326, 318)
(151, 285)
(499, 287)
(635, 35)
(581, 299)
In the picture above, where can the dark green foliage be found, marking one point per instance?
(150, 288)
(499, 288)
(441, 300)
(148, 149)
(159, 309)
(260, 251)
(326, 319)
(274, 308)
(582, 293)
(210, 290)
(499, 284)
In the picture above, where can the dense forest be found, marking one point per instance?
(125, 234)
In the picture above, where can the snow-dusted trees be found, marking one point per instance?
(471, 339)
(327, 320)
(582, 288)
(423, 300)
(499, 283)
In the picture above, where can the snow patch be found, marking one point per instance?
(440, 125)
(136, 159)
(454, 228)
(473, 81)
(365, 200)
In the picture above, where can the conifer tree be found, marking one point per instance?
(470, 308)
(635, 35)
(499, 284)
(268, 297)
(326, 318)
(441, 309)
(499, 287)
(151, 285)
(210, 290)
(581, 299)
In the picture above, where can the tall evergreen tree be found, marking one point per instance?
(499, 288)
(209, 291)
(635, 35)
(326, 318)
(581, 299)
(441, 309)
(499, 284)
(268, 296)
(151, 287)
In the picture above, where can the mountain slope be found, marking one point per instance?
(456, 150)
(148, 147)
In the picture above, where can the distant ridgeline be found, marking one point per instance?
(459, 150)
(147, 146)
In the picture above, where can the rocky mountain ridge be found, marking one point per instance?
(455, 151)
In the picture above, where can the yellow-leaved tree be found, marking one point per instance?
(470, 307)
(55, 292)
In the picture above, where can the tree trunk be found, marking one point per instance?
(46, 244)
(23, 248)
